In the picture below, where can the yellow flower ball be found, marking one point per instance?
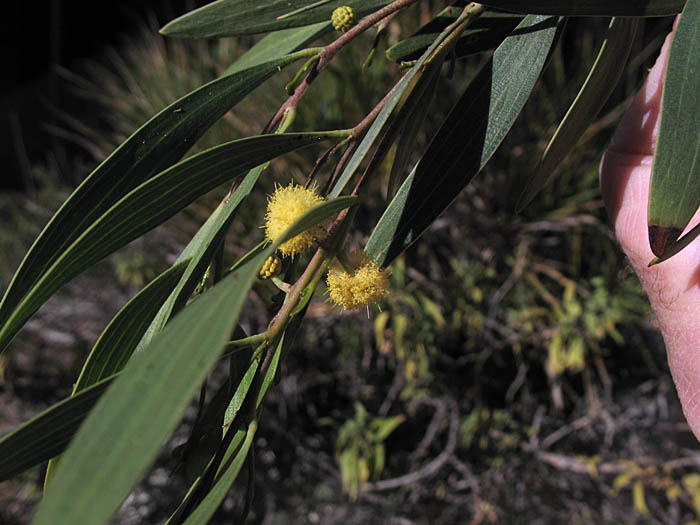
(366, 284)
(343, 18)
(285, 206)
(271, 266)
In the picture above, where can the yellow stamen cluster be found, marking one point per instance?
(343, 18)
(366, 284)
(285, 206)
(271, 266)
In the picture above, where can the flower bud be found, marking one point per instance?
(271, 266)
(343, 18)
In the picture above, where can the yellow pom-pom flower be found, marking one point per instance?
(285, 206)
(271, 266)
(366, 284)
(343, 18)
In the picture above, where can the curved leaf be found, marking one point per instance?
(47, 434)
(602, 79)
(674, 195)
(245, 17)
(591, 7)
(150, 204)
(231, 407)
(230, 466)
(122, 436)
(416, 110)
(153, 147)
(469, 136)
(118, 341)
(236, 455)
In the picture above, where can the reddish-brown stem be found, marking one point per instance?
(322, 160)
(279, 322)
(365, 123)
(359, 130)
(339, 167)
(355, 133)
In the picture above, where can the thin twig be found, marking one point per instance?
(322, 160)
(339, 167)
(328, 53)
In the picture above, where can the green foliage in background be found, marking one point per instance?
(520, 289)
(360, 448)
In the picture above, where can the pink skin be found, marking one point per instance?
(673, 286)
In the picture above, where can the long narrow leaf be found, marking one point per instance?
(150, 204)
(200, 250)
(591, 7)
(602, 79)
(412, 125)
(122, 436)
(471, 133)
(244, 17)
(231, 410)
(116, 344)
(121, 337)
(485, 33)
(674, 195)
(237, 452)
(278, 44)
(155, 146)
(47, 434)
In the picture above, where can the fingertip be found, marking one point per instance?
(638, 129)
(626, 165)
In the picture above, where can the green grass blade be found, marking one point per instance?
(674, 195)
(48, 433)
(133, 419)
(155, 146)
(469, 136)
(245, 17)
(602, 79)
(591, 7)
(150, 204)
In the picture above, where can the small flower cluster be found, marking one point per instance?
(271, 266)
(363, 283)
(343, 18)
